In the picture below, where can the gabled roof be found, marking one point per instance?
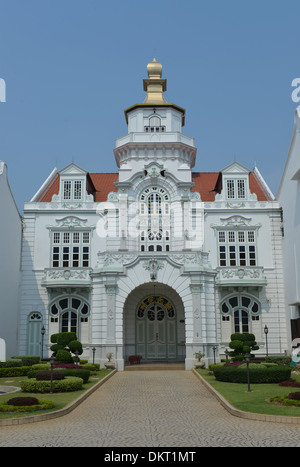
(205, 183)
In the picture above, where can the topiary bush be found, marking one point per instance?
(258, 373)
(63, 355)
(65, 343)
(241, 344)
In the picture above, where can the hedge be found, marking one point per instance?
(14, 371)
(257, 374)
(28, 360)
(70, 383)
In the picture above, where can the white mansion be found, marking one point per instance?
(153, 260)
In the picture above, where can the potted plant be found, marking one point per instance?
(199, 364)
(110, 364)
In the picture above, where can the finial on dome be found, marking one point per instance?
(154, 69)
(154, 85)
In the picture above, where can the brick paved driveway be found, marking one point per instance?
(151, 409)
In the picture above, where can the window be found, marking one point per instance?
(230, 189)
(236, 188)
(237, 248)
(67, 189)
(243, 310)
(70, 249)
(155, 125)
(68, 312)
(155, 214)
(72, 189)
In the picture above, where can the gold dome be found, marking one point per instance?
(154, 69)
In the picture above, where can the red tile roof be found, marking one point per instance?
(206, 183)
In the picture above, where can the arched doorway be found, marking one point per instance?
(154, 325)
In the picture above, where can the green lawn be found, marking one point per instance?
(255, 401)
(61, 400)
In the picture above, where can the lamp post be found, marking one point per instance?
(43, 330)
(94, 350)
(247, 357)
(214, 350)
(266, 330)
(52, 359)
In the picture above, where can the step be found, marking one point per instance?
(155, 366)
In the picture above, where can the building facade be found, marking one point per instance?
(10, 265)
(155, 259)
(288, 195)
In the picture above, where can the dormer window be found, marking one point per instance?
(236, 188)
(72, 189)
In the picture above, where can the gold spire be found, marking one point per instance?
(155, 85)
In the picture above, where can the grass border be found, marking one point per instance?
(294, 420)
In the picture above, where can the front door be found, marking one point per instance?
(156, 332)
(156, 329)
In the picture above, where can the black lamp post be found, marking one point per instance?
(266, 330)
(94, 350)
(214, 350)
(247, 357)
(52, 359)
(43, 330)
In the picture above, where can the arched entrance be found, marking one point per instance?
(154, 325)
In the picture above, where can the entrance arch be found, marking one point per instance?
(154, 324)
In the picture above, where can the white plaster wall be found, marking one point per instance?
(10, 257)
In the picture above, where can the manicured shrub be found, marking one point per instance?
(84, 374)
(23, 401)
(11, 362)
(70, 383)
(63, 355)
(63, 344)
(279, 359)
(258, 373)
(46, 375)
(91, 366)
(14, 371)
(75, 346)
(28, 360)
(241, 344)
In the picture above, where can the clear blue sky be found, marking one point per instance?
(71, 67)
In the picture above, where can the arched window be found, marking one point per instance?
(241, 313)
(70, 314)
(154, 125)
(154, 219)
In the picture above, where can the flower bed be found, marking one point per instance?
(26, 405)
